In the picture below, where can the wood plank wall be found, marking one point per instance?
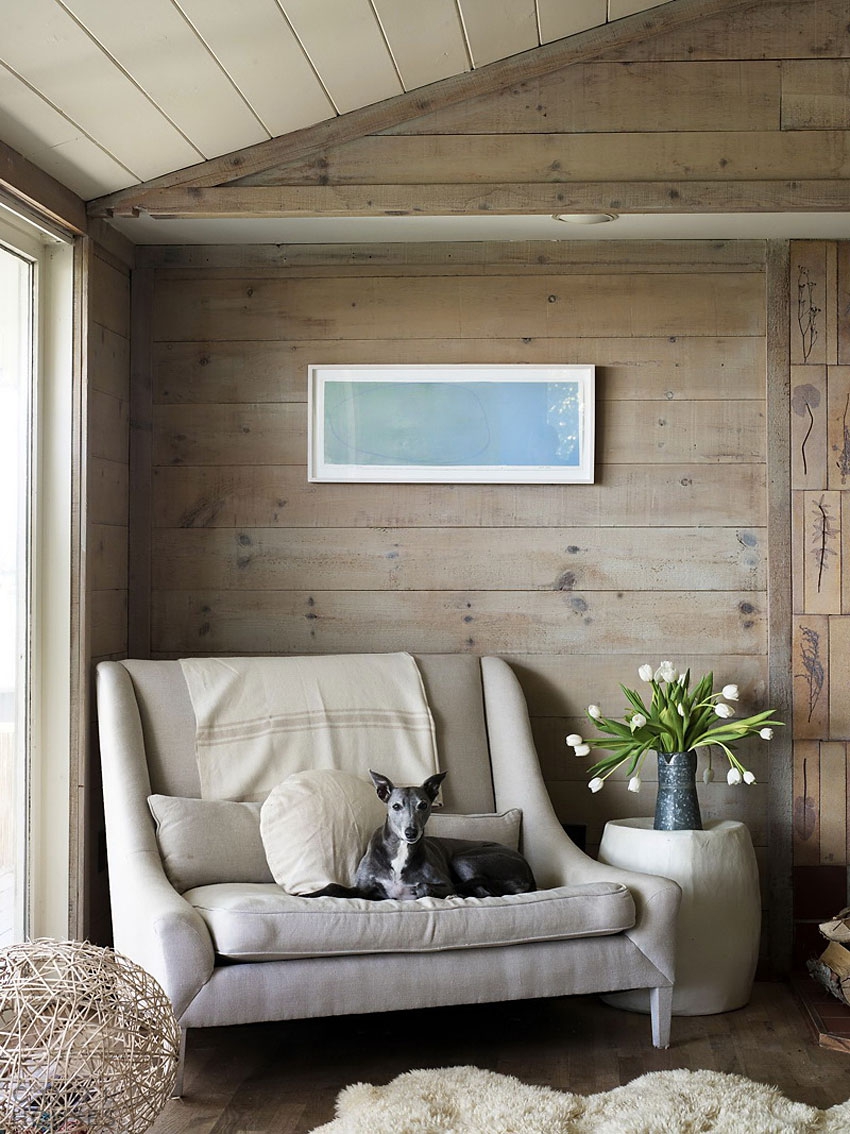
(819, 335)
(736, 112)
(664, 556)
(107, 529)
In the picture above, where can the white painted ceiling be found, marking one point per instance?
(104, 94)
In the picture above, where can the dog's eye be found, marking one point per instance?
(422, 806)
(396, 807)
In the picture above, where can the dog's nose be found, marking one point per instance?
(410, 832)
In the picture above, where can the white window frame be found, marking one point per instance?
(48, 711)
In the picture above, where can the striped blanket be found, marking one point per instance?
(260, 719)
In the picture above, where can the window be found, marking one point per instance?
(36, 331)
(16, 386)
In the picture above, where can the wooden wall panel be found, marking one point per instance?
(280, 496)
(106, 539)
(608, 97)
(664, 556)
(820, 480)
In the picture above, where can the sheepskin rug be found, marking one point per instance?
(468, 1100)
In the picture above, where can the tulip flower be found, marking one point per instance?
(676, 717)
(666, 672)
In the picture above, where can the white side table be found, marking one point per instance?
(717, 938)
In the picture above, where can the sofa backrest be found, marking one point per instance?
(452, 684)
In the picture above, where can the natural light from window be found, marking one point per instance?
(16, 372)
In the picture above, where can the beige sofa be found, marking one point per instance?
(230, 952)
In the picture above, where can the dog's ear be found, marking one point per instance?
(432, 785)
(383, 786)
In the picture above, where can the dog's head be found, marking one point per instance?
(408, 808)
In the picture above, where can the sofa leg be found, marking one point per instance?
(660, 1010)
(177, 1091)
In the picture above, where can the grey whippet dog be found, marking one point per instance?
(401, 861)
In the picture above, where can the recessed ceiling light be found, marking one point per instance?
(585, 218)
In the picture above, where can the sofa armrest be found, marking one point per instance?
(554, 857)
(153, 924)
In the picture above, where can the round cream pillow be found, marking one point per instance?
(316, 825)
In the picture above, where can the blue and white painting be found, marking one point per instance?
(457, 423)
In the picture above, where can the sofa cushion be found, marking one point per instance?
(315, 827)
(253, 922)
(497, 827)
(202, 841)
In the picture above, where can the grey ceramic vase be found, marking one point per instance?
(677, 807)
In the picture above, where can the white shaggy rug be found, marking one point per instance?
(468, 1100)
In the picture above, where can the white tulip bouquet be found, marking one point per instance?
(677, 719)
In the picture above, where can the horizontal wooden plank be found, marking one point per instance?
(449, 307)
(109, 296)
(108, 361)
(108, 617)
(108, 426)
(106, 556)
(280, 496)
(645, 255)
(664, 369)
(770, 29)
(611, 97)
(435, 559)
(227, 435)
(690, 154)
(108, 491)
(816, 94)
(563, 684)
(276, 622)
(674, 195)
(627, 433)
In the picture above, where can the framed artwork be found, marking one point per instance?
(475, 424)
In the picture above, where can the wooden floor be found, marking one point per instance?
(283, 1078)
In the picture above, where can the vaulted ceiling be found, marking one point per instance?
(105, 94)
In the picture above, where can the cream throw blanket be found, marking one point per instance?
(260, 719)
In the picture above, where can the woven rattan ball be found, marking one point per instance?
(88, 1041)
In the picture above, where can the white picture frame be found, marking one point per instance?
(473, 424)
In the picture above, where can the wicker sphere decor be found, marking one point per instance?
(89, 1043)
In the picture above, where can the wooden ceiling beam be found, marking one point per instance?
(580, 48)
(260, 202)
(39, 192)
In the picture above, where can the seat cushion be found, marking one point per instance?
(255, 922)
